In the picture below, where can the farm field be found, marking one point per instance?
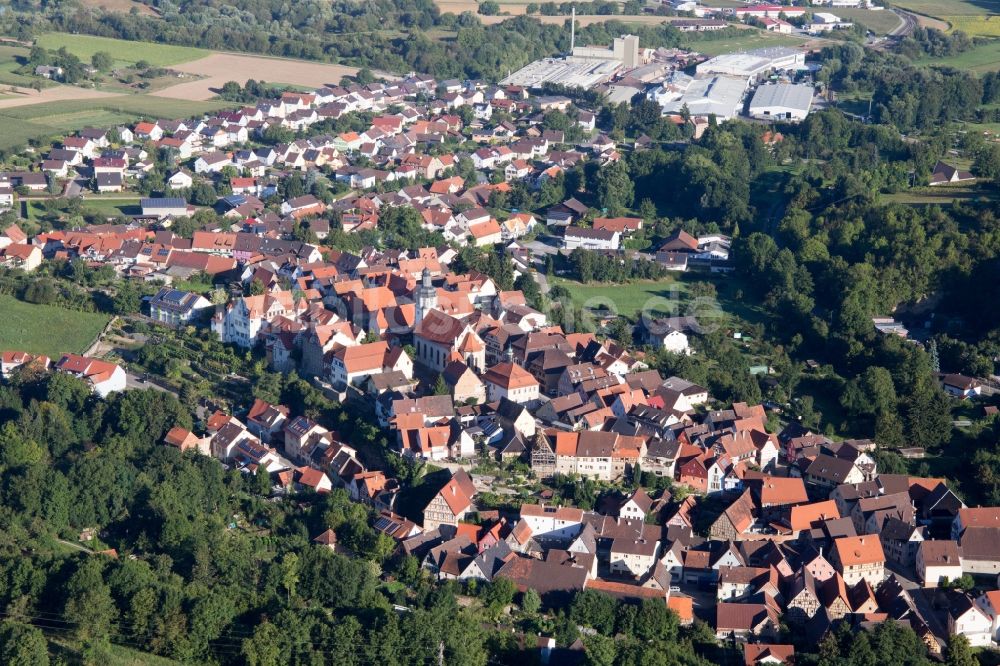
(980, 26)
(941, 8)
(46, 329)
(218, 68)
(84, 46)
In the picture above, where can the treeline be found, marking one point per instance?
(343, 31)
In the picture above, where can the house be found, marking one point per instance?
(104, 377)
(163, 207)
(327, 539)
(938, 561)
(174, 307)
(590, 239)
(180, 181)
(961, 386)
(739, 621)
(185, 440)
(12, 360)
(635, 554)
(20, 255)
(353, 365)
(303, 206)
(767, 653)
(511, 381)
(266, 421)
(451, 503)
(859, 558)
(486, 233)
(945, 174)
(989, 603)
(968, 619)
(464, 384)
(109, 182)
(662, 334)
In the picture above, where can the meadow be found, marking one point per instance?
(121, 50)
(974, 17)
(880, 22)
(982, 58)
(46, 329)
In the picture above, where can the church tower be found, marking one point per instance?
(426, 296)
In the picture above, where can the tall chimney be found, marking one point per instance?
(572, 31)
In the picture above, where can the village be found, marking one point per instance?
(724, 512)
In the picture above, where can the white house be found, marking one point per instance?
(969, 620)
(591, 239)
(104, 377)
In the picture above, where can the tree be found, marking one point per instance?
(525, 283)
(88, 602)
(531, 603)
(264, 648)
(22, 645)
(102, 61)
(441, 386)
(600, 650)
(960, 652)
(615, 189)
(290, 573)
(489, 8)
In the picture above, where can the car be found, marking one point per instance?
(675, 588)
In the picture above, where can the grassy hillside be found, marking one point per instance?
(46, 329)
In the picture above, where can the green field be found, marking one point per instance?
(123, 51)
(46, 329)
(21, 123)
(982, 58)
(9, 63)
(749, 39)
(661, 296)
(879, 22)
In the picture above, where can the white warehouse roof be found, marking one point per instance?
(772, 99)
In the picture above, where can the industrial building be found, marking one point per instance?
(752, 64)
(624, 49)
(782, 101)
(572, 72)
(586, 67)
(721, 96)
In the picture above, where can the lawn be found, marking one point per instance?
(46, 329)
(664, 297)
(121, 50)
(748, 39)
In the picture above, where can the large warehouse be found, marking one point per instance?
(752, 64)
(721, 96)
(782, 101)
